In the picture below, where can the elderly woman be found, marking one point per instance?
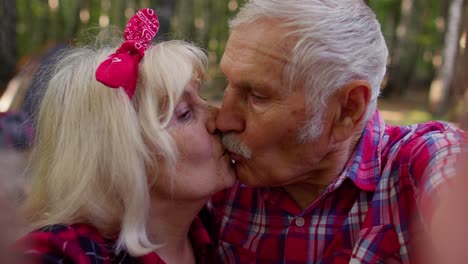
(119, 175)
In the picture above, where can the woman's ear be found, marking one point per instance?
(352, 103)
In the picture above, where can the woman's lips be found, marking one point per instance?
(223, 153)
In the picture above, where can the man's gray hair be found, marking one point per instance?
(336, 41)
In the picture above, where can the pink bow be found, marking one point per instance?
(120, 69)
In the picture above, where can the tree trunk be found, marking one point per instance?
(165, 10)
(8, 51)
(72, 31)
(440, 87)
(402, 61)
(462, 77)
(184, 19)
(117, 14)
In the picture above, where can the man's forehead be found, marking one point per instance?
(262, 39)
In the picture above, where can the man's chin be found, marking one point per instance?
(252, 179)
(248, 178)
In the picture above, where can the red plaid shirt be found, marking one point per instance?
(83, 244)
(390, 183)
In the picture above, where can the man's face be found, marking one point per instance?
(260, 117)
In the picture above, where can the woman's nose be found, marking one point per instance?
(212, 113)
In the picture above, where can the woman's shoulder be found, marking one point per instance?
(76, 243)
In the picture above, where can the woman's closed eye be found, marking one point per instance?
(184, 115)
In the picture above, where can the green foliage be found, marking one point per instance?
(205, 22)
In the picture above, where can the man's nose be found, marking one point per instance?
(230, 116)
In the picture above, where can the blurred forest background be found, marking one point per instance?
(427, 41)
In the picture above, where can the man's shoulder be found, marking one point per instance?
(426, 154)
(421, 129)
(433, 134)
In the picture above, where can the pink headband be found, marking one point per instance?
(120, 69)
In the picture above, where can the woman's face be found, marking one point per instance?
(202, 167)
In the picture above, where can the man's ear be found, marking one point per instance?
(352, 102)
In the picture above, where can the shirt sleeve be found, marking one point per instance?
(434, 157)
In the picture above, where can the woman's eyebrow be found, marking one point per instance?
(189, 95)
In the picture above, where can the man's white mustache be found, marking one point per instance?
(232, 143)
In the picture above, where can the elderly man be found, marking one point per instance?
(322, 178)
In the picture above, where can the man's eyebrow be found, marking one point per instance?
(258, 86)
(249, 85)
(244, 85)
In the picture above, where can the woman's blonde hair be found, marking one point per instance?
(96, 151)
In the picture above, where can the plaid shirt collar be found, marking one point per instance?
(364, 167)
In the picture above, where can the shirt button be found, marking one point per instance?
(300, 222)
